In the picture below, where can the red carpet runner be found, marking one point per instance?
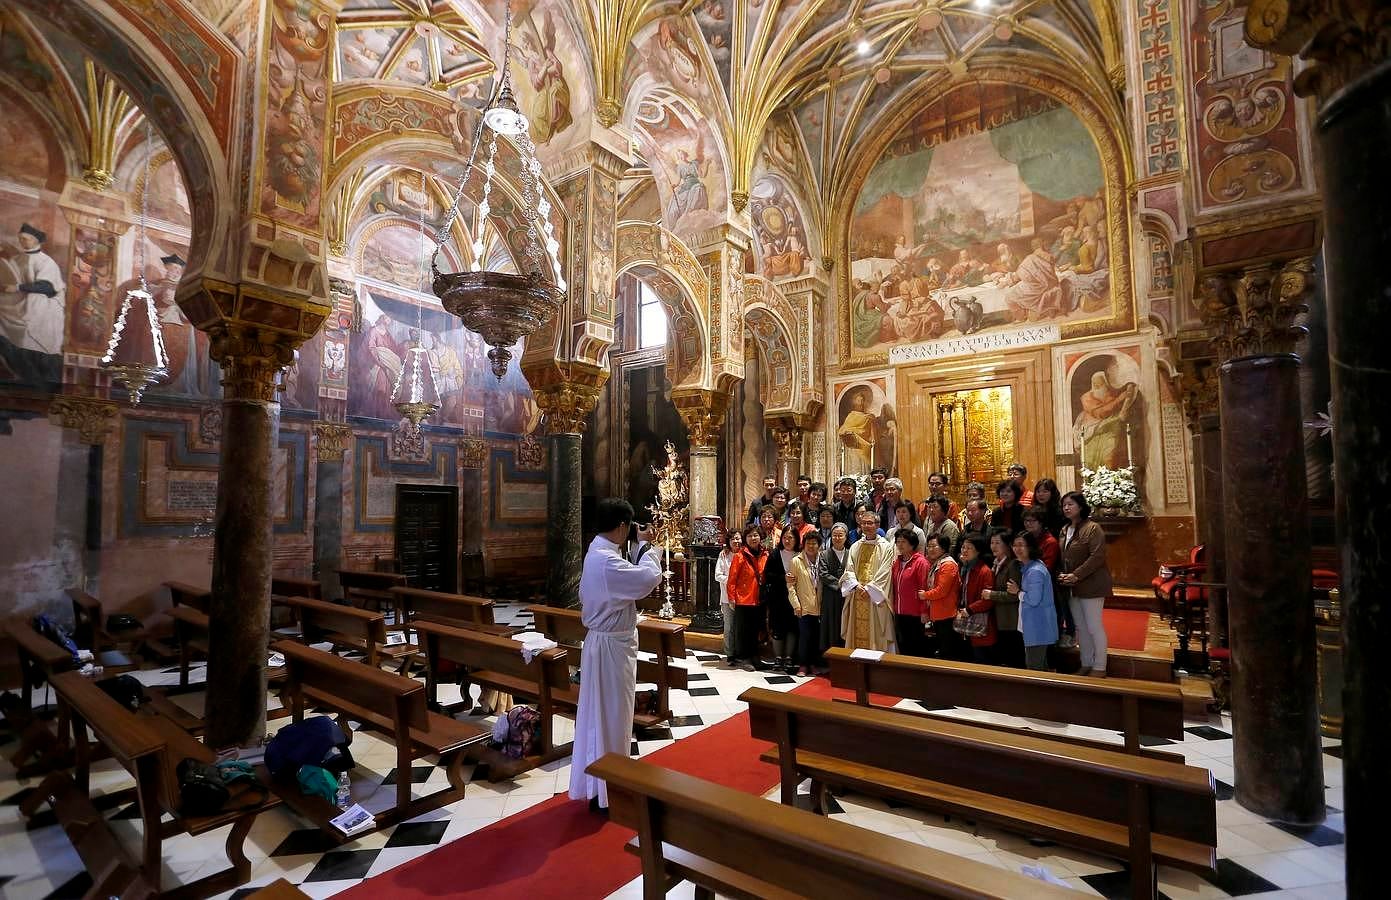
(1125, 628)
(558, 848)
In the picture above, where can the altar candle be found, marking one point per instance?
(1129, 454)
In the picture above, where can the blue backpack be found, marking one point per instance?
(50, 629)
(318, 741)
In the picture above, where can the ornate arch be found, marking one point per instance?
(668, 266)
(189, 96)
(768, 320)
(1105, 124)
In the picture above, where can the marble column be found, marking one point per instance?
(331, 443)
(1278, 753)
(788, 438)
(1345, 47)
(1199, 385)
(87, 423)
(240, 606)
(704, 415)
(566, 407)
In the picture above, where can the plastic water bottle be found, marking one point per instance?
(345, 791)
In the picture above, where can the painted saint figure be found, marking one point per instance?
(688, 192)
(1100, 428)
(858, 433)
(33, 293)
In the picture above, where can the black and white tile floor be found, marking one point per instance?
(1256, 858)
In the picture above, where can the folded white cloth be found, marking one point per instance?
(533, 642)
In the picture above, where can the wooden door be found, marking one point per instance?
(427, 530)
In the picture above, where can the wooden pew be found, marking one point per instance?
(734, 844)
(497, 662)
(368, 589)
(666, 641)
(1144, 811)
(389, 703)
(90, 632)
(1125, 705)
(282, 586)
(459, 610)
(39, 661)
(181, 594)
(348, 626)
(150, 748)
(279, 889)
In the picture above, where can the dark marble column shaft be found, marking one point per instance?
(328, 523)
(70, 519)
(1354, 135)
(563, 538)
(1278, 754)
(240, 610)
(1212, 521)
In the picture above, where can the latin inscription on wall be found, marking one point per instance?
(185, 496)
(1175, 472)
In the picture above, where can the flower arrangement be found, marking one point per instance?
(863, 486)
(1112, 491)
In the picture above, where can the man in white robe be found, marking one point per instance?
(35, 322)
(867, 621)
(610, 587)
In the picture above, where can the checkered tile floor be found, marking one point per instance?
(1256, 858)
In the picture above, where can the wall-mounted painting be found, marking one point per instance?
(866, 425)
(987, 210)
(1108, 408)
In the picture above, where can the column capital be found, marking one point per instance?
(1197, 383)
(567, 406)
(1252, 310)
(703, 412)
(1340, 40)
(331, 440)
(787, 435)
(92, 418)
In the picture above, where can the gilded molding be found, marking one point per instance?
(92, 418)
(1341, 40)
(1253, 310)
(566, 407)
(331, 440)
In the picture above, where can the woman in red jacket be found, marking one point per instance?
(940, 597)
(745, 580)
(908, 580)
(976, 583)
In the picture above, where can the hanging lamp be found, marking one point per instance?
(501, 307)
(132, 361)
(416, 396)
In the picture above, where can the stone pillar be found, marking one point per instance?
(78, 525)
(1278, 752)
(566, 407)
(331, 443)
(1346, 46)
(788, 438)
(704, 413)
(1199, 383)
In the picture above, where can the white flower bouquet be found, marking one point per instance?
(1112, 491)
(863, 485)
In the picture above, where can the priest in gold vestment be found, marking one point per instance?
(867, 621)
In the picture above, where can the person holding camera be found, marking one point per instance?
(620, 569)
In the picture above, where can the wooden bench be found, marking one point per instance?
(89, 631)
(150, 748)
(39, 661)
(368, 589)
(350, 627)
(1131, 707)
(181, 594)
(497, 662)
(459, 610)
(666, 641)
(738, 845)
(1144, 811)
(282, 586)
(391, 704)
(279, 889)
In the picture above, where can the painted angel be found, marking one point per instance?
(688, 192)
(550, 107)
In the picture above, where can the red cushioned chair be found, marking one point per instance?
(1167, 582)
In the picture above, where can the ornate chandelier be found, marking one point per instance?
(415, 395)
(501, 307)
(132, 359)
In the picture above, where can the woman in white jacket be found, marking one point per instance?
(733, 540)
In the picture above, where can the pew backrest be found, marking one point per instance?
(138, 748)
(38, 651)
(664, 640)
(285, 586)
(479, 651)
(758, 845)
(447, 609)
(182, 594)
(317, 617)
(389, 696)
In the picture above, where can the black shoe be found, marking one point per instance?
(595, 808)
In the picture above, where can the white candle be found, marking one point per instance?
(1129, 455)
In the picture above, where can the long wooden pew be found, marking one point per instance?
(1144, 811)
(150, 748)
(367, 589)
(181, 594)
(351, 628)
(1131, 707)
(666, 641)
(497, 662)
(459, 610)
(391, 704)
(39, 661)
(734, 844)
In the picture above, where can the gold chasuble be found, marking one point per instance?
(867, 622)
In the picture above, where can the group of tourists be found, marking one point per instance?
(989, 585)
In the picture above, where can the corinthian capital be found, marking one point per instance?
(1340, 39)
(567, 405)
(1253, 310)
(788, 438)
(703, 412)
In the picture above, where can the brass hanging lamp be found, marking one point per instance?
(416, 396)
(131, 360)
(504, 308)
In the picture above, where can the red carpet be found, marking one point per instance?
(1125, 628)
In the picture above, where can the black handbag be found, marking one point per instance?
(125, 690)
(202, 792)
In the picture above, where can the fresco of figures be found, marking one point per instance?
(1108, 408)
(781, 248)
(681, 150)
(999, 221)
(866, 425)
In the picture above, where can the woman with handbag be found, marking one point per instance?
(909, 579)
(1009, 648)
(1085, 574)
(939, 598)
(975, 617)
(745, 580)
(829, 567)
(778, 582)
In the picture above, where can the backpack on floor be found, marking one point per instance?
(518, 733)
(317, 741)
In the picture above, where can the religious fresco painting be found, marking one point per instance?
(1108, 408)
(781, 246)
(866, 425)
(547, 73)
(992, 221)
(296, 109)
(395, 252)
(470, 396)
(690, 174)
